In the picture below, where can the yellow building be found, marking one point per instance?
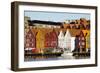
(87, 38)
(40, 41)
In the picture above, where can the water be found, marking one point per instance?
(64, 56)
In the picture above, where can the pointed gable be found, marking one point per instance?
(30, 39)
(40, 34)
(61, 35)
(87, 36)
(51, 39)
(67, 34)
(40, 39)
(53, 34)
(30, 33)
(82, 34)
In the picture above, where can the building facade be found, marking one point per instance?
(51, 39)
(87, 36)
(82, 42)
(67, 41)
(61, 40)
(30, 39)
(40, 41)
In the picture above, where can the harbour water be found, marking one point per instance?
(64, 56)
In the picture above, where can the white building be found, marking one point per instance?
(67, 41)
(72, 43)
(61, 40)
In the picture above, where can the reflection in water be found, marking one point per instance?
(64, 56)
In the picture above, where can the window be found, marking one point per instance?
(32, 44)
(82, 38)
(27, 45)
(27, 40)
(30, 35)
(80, 46)
(79, 38)
(32, 40)
(79, 43)
(83, 43)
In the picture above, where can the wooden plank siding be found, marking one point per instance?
(30, 40)
(51, 39)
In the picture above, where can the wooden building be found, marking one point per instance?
(67, 41)
(61, 39)
(40, 41)
(80, 42)
(87, 36)
(51, 39)
(30, 39)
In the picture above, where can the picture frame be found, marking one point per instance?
(48, 17)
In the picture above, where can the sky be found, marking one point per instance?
(55, 16)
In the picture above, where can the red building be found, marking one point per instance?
(51, 39)
(30, 41)
(82, 42)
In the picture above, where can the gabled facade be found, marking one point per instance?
(40, 41)
(87, 33)
(67, 41)
(30, 39)
(61, 39)
(82, 42)
(77, 47)
(51, 39)
(88, 42)
(74, 40)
